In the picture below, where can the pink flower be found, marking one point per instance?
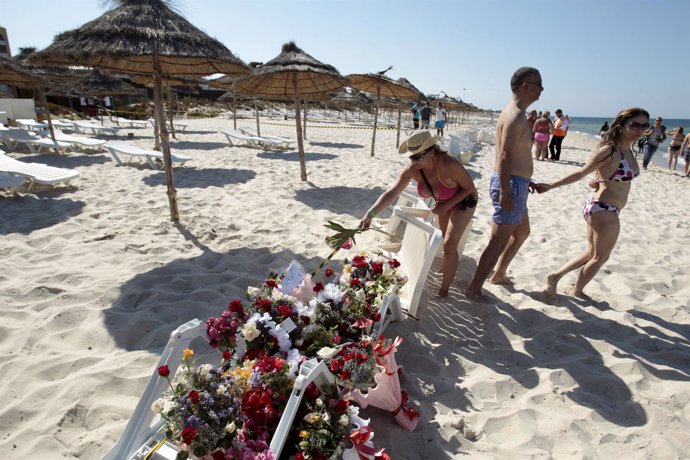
(347, 244)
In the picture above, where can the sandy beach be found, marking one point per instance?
(95, 277)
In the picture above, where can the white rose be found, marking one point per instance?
(344, 420)
(253, 291)
(157, 406)
(250, 332)
(327, 352)
(230, 427)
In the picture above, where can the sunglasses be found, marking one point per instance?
(638, 126)
(418, 156)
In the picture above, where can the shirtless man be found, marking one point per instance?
(509, 184)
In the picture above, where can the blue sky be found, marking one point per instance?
(596, 56)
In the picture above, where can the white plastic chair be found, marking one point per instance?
(117, 148)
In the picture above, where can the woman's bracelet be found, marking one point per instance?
(371, 213)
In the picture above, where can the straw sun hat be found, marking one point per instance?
(418, 142)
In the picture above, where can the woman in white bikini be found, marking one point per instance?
(677, 137)
(614, 161)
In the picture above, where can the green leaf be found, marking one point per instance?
(182, 455)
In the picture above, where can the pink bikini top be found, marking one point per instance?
(444, 191)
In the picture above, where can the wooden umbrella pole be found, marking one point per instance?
(397, 137)
(376, 117)
(256, 111)
(42, 95)
(304, 124)
(170, 111)
(156, 126)
(298, 126)
(234, 112)
(167, 160)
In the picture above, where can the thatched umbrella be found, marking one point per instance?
(293, 74)
(144, 36)
(16, 74)
(381, 85)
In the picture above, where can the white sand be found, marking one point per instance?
(94, 278)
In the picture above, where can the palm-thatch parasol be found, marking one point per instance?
(379, 84)
(16, 74)
(291, 75)
(144, 36)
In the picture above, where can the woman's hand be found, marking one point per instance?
(542, 187)
(365, 222)
(440, 208)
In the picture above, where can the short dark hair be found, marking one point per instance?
(521, 75)
(559, 111)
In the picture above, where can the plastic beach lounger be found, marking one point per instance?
(31, 125)
(10, 182)
(236, 138)
(118, 148)
(84, 126)
(36, 173)
(132, 123)
(14, 137)
(79, 141)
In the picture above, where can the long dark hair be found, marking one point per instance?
(613, 135)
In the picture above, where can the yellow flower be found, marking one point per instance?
(304, 434)
(347, 268)
(187, 354)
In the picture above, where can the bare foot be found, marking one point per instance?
(579, 294)
(477, 296)
(501, 279)
(551, 284)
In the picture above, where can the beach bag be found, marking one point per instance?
(643, 140)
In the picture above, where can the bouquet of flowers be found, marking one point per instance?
(326, 426)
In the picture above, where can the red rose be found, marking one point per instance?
(318, 287)
(341, 406)
(355, 282)
(227, 355)
(377, 316)
(271, 283)
(376, 268)
(394, 263)
(218, 455)
(335, 366)
(194, 397)
(312, 392)
(188, 435)
(361, 358)
(344, 375)
(235, 306)
(264, 304)
(328, 272)
(285, 310)
(299, 456)
(164, 371)
(305, 319)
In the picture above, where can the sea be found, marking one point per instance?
(591, 126)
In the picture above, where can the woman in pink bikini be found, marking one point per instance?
(542, 129)
(615, 168)
(443, 178)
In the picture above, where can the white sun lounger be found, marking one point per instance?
(63, 124)
(79, 141)
(31, 125)
(10, 182)
(117, 148)
(14, 137)
(416, 254)
(236, 138)
(270, 141)
(179, 125)
(132, 123)
(82, 126)
(37, 173)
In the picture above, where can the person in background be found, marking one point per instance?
(426, 116)
(532, 117)
(415, 115)
(615, 168)
(442, 177)
(677, 138)
(542, 129)
(509, 184)
(560, 127)
(655, 135)
(440, 123)
(685, 148)
(604, 128)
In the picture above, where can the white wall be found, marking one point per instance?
(17, 108)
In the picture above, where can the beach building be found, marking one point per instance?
(5, 50)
